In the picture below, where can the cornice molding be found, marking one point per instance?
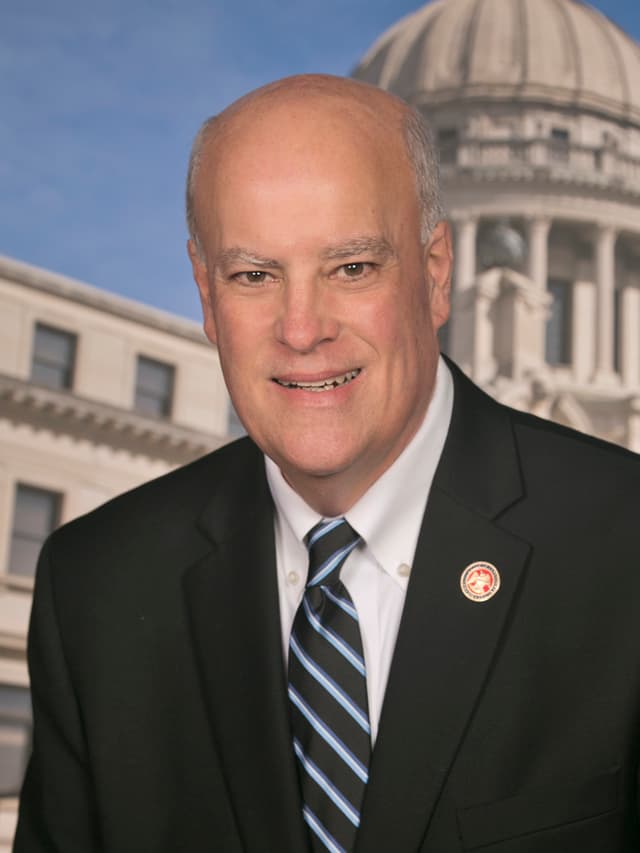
(546, 384)
(45, 281)
(533, 96)
(540, 160)
(556, 178)
(65, 413)
(13, 646)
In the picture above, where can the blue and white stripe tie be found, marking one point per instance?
(328, 694)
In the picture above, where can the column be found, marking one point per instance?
(465, 253)
(630, 335)
(487, 290)
(464, 274)
(583, 319)
(538, 271)
(605, 286)
(537, 240)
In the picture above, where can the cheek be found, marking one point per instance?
(236, 332)
(397, 325)
(244, 340)
(378, 321)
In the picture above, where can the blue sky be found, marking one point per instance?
(100, 100)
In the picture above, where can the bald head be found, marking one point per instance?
(383, 121)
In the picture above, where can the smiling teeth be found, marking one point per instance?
(324, 384)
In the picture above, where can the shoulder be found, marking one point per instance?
(566, 483)
(540, 441)
(586, 490)
(163, 509)
(550, 446)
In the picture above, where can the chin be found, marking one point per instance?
(315, 460)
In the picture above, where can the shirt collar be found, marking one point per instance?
(389, 514)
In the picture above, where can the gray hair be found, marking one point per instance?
(423, 158)
(195, 159)
(421, 152)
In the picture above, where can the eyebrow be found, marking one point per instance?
(236, 254)
(376, 246)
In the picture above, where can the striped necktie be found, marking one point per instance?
(328, 694)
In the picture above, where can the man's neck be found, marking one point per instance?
(332, 495)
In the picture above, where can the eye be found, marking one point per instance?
(251, 277)
(355, 269)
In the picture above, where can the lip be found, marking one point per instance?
(321, 376)
(319, 383)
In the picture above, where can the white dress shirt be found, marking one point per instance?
(388, 518)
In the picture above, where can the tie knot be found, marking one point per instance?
(329, 544)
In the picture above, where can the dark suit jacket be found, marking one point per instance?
(509, 725)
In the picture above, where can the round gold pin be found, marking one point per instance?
(480, 581)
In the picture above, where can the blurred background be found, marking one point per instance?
(105, 377)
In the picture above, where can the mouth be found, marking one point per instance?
(328, 384)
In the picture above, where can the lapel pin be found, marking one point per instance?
(480, 581)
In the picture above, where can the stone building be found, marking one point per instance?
(535, 105)
(97, 394)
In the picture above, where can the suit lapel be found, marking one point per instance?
(234, 615)
(446, 643)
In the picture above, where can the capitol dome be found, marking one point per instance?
(535, 111)
(566, 53)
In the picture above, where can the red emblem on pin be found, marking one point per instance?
(480, 581)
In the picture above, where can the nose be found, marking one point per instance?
(306, 317)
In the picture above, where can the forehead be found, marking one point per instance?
(298, 154)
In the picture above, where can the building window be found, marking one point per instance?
(54, 354)
(154, 387)
(36, 513)
(15, 737)
(558, 333)
(448, 145)
(598, 156)
(559, 144)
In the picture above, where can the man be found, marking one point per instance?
(488, 583)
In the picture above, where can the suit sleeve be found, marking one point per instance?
(57, 806)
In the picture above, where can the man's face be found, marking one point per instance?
(321, 299)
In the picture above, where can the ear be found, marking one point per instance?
(438, 258)
(201, 277)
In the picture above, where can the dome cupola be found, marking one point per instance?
(561, 52)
